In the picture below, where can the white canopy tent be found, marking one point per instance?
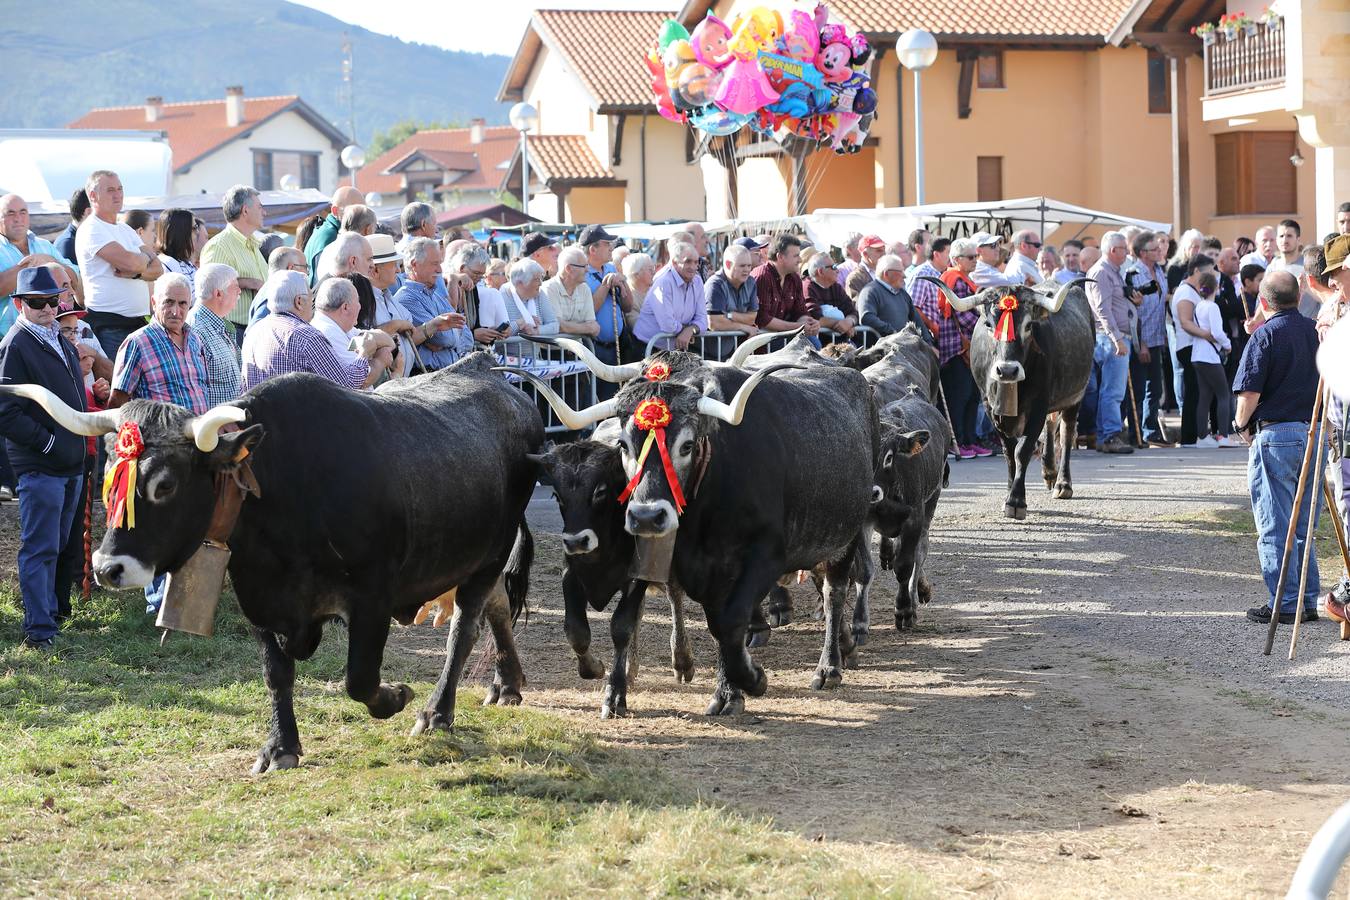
(280, 208)
(831, 227)
(46, 165)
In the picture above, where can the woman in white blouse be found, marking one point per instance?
(526, 307)
(176, 231)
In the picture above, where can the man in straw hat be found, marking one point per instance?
(48, 460)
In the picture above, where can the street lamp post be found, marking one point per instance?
(524, 118)
(353, 157)
(917, 50)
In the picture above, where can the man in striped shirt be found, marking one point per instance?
(237, 248)
(217, 294)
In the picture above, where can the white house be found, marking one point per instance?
(235, 140)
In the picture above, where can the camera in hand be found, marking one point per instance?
(1150, 287)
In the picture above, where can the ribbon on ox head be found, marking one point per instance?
(652, 416)
(119, 485)
(1005, 330)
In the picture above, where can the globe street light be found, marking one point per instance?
(524, 118)
(374, 199)
(289, 182)
(917, 50)
(353, 157)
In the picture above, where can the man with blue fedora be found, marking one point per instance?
(48, 459)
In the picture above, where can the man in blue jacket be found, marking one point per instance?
(48, 459)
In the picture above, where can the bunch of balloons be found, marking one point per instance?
(772, 71)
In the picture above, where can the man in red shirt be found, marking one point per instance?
(782, 304)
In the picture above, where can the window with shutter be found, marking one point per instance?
(989, 69)
(1253, 175)
(1159, 83)
(988, 178)
(309, 170)
(262, 170)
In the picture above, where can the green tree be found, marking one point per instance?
(399, 132)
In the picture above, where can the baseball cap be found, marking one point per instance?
(871, 240)
(381, 248)
(592, 234)
(536, 242)
(1336, 251)
(750, 243)
(984, 238)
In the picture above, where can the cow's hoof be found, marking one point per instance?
(859, 636)
(274, 759)
(780, 617)
(755, 639)
(509, 696)
(925, 591)
(761, 683)
(905, 621)
(726, 703)
(1050, 482)
(851, 658)
(826, 677)
(684, 669)
(389, 700)
(615, 705)
(1064, 492)
(589, 667)
(429, 721)
(1014, 512)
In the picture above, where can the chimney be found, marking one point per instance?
(234, 106)
(153, 107)
(476, 130)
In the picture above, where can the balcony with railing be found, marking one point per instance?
(1251, 59)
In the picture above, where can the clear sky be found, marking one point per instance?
(482, 26)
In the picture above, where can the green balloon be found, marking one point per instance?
(671, 31)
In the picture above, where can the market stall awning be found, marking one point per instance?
(496, 212)
(280, 209)
(831, 227)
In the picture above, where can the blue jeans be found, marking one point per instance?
(1272, 476)
(47, 506)
(154, 594)
(1148, 389)
(1111, 388)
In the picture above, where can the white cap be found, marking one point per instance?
(984, 239)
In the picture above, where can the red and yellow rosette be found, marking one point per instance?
(1004, 331)
(119, 485)
(652, 416)
(658, 371)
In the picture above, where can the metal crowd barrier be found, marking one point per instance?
(719, 345)
(577, 388)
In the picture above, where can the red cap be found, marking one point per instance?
(870, 240)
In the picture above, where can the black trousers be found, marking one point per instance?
(1190, 388)
(963, 398)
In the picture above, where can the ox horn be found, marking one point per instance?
(601, 370)
(763, 339)
(205, 429)
(1054, 303)
(74, 421)
(575, 420)
(961, 304)
(732, 412)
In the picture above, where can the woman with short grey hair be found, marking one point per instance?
(639, 270)
(533, 314)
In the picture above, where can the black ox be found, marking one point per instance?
(370, 505)
(754, 507)
(1042, 369)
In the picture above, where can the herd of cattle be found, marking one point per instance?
(370, 505)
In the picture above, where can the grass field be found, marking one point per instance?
(123, 770)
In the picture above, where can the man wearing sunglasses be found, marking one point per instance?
(48, 459)
(1021, 268)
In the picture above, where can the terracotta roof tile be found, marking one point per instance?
(452, 160)
(1021, 18)
(566, 157)
(605, 49)
(194, 129)
(498, 143)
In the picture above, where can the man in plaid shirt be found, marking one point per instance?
(285, 342)
(217, 294)
(163, 361)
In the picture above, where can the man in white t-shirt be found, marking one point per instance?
(115, 264)
(1288, 257)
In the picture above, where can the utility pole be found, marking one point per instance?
(347, 84)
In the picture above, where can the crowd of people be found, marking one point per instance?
(125, 306)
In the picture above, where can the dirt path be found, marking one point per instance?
(1083, 710)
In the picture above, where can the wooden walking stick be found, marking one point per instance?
(1308, 540)
(1277, 602)
(86, 589)
(1339, 526)
(1134, 408)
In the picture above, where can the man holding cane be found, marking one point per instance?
(1277, 387)
(1333, 282)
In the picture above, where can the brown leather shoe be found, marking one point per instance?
(1116, 445)
(1335, 609)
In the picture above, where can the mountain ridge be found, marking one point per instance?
(292, 50)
